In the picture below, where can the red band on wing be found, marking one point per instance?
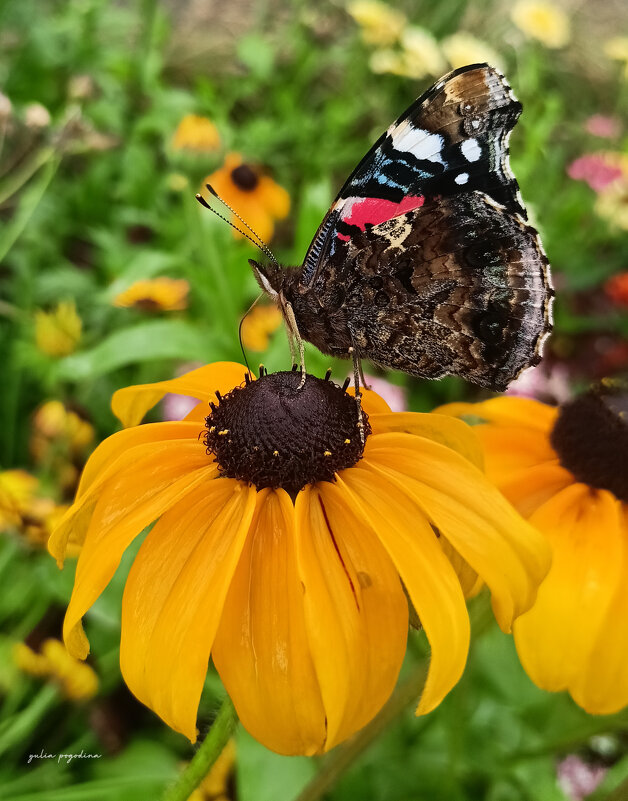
(375, 210)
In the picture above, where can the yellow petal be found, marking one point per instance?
(427, 574)
(506, 552)
(261, 649)
(174, 598)
(372, 403)
(530, 487)
(130, 404)
(602, 687)
(116, 454)
(355, 611)
(448, 431)
(130, 501)
(274, 198)
(506, 411)
(508, 449)
(555, 639)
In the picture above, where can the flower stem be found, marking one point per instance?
(341, 759)
(208, 752)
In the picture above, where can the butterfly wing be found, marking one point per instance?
(434, 212)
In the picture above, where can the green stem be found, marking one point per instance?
(341, 759)
(18, 728)
(209, 751)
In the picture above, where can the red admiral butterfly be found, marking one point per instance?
(425, 262)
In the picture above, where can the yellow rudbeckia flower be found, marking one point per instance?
(155, 294)
(283, 543)
(255, 196)
(262, 321)
(565, 470)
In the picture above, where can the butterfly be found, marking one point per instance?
(425, 261)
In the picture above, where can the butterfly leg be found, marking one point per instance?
(295, 336)
(357, 374)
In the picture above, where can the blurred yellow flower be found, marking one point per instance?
(58, 332)
(215, 786)
(612, 200)
(24, 510)
(258, 325)
(196, 133)
(422, 53)
(255, 196)
(17, 490)
(379, 23)
(612, 204)
(617, 49)
(420, 56)
(52, 421)
(463, 48)
(155, 294)
(77, 680)
(543, 21)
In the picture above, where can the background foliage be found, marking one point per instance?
(94, 196)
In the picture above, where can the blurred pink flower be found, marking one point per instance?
(604, 126)
(578, 779)
(595, 170)
(547, 384)
(394, 395)
(176, 407)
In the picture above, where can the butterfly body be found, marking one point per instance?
(425, 262)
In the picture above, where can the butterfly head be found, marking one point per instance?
(268, 276)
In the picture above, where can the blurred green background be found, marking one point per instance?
(99, 165)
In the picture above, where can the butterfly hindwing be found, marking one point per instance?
(460, 288)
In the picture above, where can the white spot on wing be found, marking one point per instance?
(462, 178)
(471, 150)
(422, 144)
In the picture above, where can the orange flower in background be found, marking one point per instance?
(196, 133)
(155, 294)
(565, 469)
(616, 288)
(283, 535)
(255, 196)
(258, 325)
(57, 333)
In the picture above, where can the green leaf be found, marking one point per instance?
(265, 776)
(159, 339)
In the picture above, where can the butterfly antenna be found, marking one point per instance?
(206, 205)
(249, 310)
(260, 242)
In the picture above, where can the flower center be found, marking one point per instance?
(271, 433)
(591, 439)
(244, 177)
